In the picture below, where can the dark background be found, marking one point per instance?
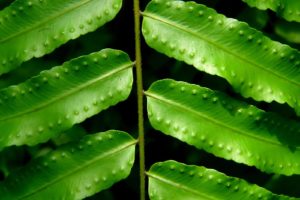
(159, 147)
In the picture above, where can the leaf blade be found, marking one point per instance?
(253, 64)
(43, 106)
(223, 126)
(34, 28)
(174, 180)
(289, 10)
(76, 170)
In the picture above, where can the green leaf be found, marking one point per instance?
(257, 19)
(69, 135)
(253, 64)
(55, 100)
(290, 31)
(284, 184)
(33, 28)
(288, 9)
(173, 180)
(226, 127)
(266, 4)
(11, 159)
(75, 170)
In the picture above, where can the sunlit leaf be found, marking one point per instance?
(45, 105)
(226, 127)
(34, 28)
(253, 64)
(177, 181)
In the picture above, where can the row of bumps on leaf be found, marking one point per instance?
(289, 10)
(75, 170)
(32, 28)
(226, 127)
(173, 180)
(45, 105)
(252, 63)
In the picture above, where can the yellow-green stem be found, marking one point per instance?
(139, 79)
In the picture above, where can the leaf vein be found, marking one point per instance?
(184, 29)
(70, 92)
(180, 186)
(43, 22)
(78, 169)
(219, 123)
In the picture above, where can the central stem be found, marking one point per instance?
(138, 59)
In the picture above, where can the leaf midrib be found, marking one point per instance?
(207, 118)
(79, 169)
(68, 93)
(184, 29)
(180, 186)
(45, 21)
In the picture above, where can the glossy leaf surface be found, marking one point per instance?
(288, 9)
(177, 181)
(226, 127)
(75, 170)
(34, 28)
(253, 64)
(53, 101)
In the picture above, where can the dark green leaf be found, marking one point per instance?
(290, 31)
(75, 170)
(288, 9)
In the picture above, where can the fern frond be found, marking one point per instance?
(33, 28)
(174, 180)
(253, 64)
(75, 170)
(226, 127)
(53, 101)
(289, 10)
